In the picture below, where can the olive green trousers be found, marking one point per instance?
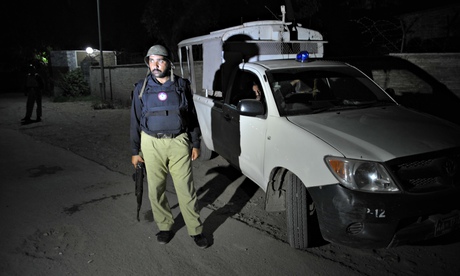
(171, 155)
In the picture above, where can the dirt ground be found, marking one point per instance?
(103, 136)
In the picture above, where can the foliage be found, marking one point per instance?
(169, 22)
(73, 84)
(383, 35)
(42, 56)
(304, 10)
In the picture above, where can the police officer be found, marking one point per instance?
(34, 90)
(163, 124)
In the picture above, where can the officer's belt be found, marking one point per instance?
(163, 112)
(166, 135)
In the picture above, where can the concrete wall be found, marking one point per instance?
(444, 67)
(441, 25)
(64, 61)
(71, 59)
(120, 79)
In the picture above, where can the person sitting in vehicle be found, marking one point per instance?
(246, 87)
(257, 91)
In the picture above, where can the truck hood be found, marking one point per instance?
(382, 133)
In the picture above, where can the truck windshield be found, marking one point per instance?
(308, 91)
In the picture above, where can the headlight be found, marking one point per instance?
(361, 175)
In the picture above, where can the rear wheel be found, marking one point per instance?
(300, 213)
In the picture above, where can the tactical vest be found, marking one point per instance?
(31, 80)
(164, 108)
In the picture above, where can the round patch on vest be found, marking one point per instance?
(162, 96)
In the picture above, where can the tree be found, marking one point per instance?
(384, 35)
(303, 11)
(168, 21)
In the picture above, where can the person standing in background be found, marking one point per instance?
(34, 91)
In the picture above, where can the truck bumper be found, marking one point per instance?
(371, 220)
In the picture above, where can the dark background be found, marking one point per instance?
(31, 29)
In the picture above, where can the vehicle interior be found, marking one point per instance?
(308, 92)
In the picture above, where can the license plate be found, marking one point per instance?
(447, 224)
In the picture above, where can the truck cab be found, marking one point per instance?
(324, 141)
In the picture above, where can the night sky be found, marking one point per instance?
(73, 24)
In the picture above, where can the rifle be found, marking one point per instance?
(139, 187)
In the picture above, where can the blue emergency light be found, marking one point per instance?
(302, 56)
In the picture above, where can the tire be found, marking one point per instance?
(300, 213)
(205, 152)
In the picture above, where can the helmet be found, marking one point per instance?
(157, 50)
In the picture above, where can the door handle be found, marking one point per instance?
(227, 117)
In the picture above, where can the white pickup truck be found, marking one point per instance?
(325, 142)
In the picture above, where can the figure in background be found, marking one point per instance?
(34, 91)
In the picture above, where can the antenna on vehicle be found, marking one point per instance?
(290, 16)
(272, 13)
(283, 13)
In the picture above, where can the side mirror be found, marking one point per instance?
(250, 107)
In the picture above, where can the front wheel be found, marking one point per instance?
(302, 223)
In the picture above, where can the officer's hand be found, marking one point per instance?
(195, 153)
(136, 159)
